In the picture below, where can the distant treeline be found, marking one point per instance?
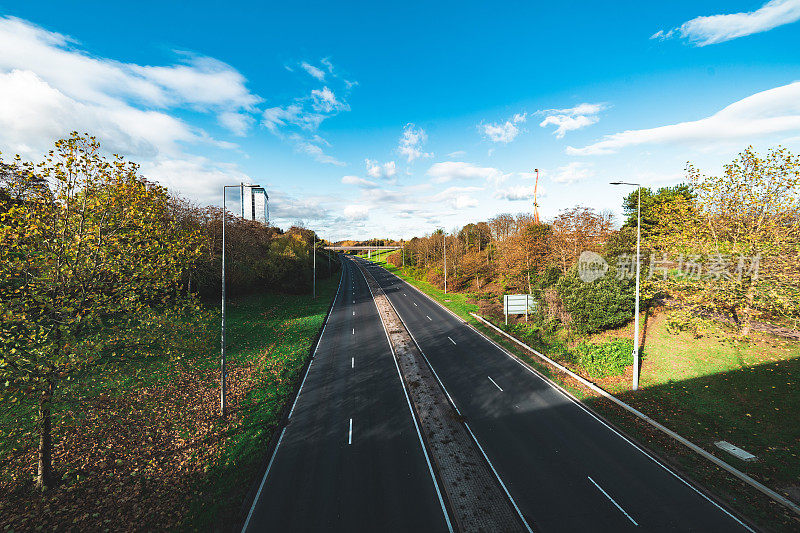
(724, 245)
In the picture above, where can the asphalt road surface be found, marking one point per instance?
(350, 458)
(565, 468)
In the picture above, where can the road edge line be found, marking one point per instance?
(699, 489)
(469, 430)
(285, 416)
(676, 436)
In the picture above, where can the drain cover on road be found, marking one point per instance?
(735, 450)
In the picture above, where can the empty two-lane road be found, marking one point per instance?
(350, 458)
(565, 468)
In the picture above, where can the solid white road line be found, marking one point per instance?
(521, 516)
(261, 487)
(495, 383)
(350, 439)
(577, 403)
(580, 405)
(451, 340)
(466, 425)
(612, 500)
(413, 416)
(319, 340)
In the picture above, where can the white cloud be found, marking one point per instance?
(198, 83)
(462, 201)
(411, 143)
(356, 212)
(385, 171)
(457, 170)
(772, 111)
(573, 118)
(197, 177)
(49, 87)
(457, 153)
(518, 192)
(573, 172)
(456, 197)
(312, 147)
(236, 123)
(360, 182)
(505, 132)
(714, 29)
(33, 114)
(325, 101)
(313, 71)
(302, 117)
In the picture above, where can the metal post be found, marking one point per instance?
(445, 262)
(636, 318)
(222, 406)
(223, 364)
(314, 252)
(635, 354)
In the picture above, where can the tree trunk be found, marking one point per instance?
(44, 478)
(747, 311)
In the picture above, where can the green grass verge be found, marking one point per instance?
(276, 333)
(140, 442)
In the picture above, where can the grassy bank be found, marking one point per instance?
(707, 389)
(142, 445)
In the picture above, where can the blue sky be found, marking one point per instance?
(369, 119)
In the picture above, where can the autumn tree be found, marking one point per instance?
(576, 230)
(86, 246)
(743, 234)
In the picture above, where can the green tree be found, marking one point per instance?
(601, 304)
(87, 246)
(653, 206)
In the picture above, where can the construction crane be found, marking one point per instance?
(535, 203)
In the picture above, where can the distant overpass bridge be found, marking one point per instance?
(368, 249)
(361, 248)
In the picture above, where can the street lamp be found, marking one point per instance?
(314, 253)
(444, 236)
(638, 261)
(223, 372)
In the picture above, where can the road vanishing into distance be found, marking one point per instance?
(351, 457)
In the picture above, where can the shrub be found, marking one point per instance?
(395, 259)
(607, 359)
(685, 320)
(601, 304)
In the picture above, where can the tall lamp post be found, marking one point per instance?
(223, 371)
(444, 241)
(314, 253)
(638, 264)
